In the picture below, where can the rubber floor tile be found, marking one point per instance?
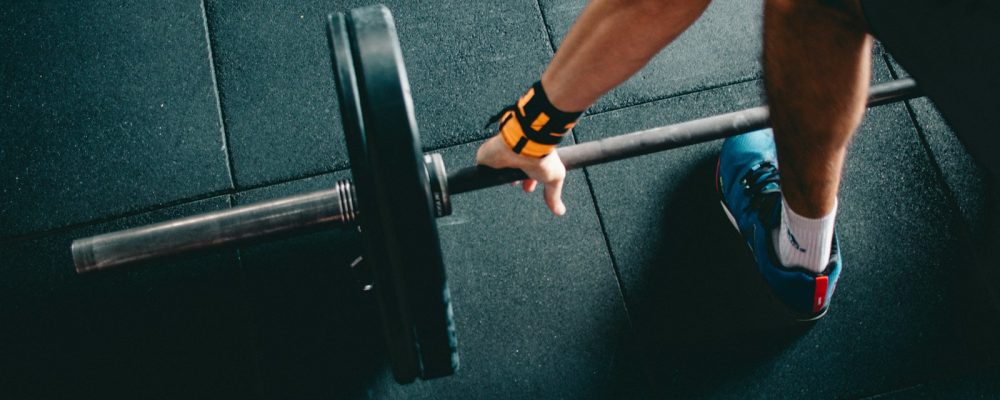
(465, 60)
(107, 108)
(722, 47)
(537, 306)
(318, 332)
(171, 329)
(909, 304)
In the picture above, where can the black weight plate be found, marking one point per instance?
(402, 190)
(398, 329)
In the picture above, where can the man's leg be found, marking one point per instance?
(817, 66)
(816, 70)
(609, 42)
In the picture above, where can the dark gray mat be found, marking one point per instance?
(466, 61)
(537, 305)
(175, 329)
(318, 334)
(107, 108)
(967, 181)
(111, 109)
(908, 306)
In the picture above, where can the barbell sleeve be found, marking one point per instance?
(259, 221)
(659, 139)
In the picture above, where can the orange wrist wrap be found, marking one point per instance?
(533, 126)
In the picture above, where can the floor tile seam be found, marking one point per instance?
(551, 44)
(293, 178)
(252, 321)
(880, 395)
(218, 97)
(459, 144)
(964, 233)
(546, 27)
(899, 387)
(924, 142)
(607, 244)
(723, 85)
(17, 238)
(939, 175)
(12, 239)
(597, 211)
(611, 253)
(945, 377)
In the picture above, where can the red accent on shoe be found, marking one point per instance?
(819, 298)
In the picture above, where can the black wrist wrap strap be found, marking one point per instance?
(533, 126)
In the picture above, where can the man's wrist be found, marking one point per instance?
(533, 127)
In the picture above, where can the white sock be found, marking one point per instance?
(804, 242)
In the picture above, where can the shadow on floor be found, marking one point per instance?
(319, 335)
(708, 314)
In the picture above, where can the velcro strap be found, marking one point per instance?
(540, 126)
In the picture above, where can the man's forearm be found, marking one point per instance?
(609, 42)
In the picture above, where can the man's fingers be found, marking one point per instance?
(529, 185)
(494, 153)
(553, 197)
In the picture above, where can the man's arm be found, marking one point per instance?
(609, 42)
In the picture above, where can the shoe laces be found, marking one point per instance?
(762, 183)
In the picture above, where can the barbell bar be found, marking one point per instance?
(396, 193)
(336, 207)
(662, 138)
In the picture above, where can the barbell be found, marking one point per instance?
(396, 193)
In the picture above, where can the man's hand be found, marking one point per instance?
(548, 170)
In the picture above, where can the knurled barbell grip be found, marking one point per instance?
(660, 139)
(322, 209)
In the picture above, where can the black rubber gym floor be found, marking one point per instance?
(120, 114)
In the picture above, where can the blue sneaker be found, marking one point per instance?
(747, 180)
